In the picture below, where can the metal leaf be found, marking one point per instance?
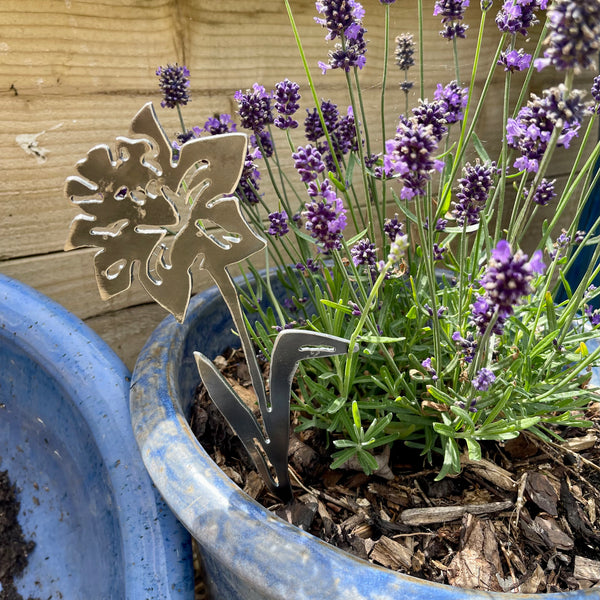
(137, 211)
(271, 446)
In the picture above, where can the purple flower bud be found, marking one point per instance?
(278, 224)
(484, 378)
(254, 108)
(515, 60)
(174, 83)
(573, 34)
(308, 163)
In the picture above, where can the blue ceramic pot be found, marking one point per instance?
(249, 553)
(101, 529)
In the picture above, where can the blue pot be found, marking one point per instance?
(249, 553)
(101, 529)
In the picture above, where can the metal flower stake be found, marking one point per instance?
(148, 208)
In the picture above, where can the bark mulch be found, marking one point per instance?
(523, 519)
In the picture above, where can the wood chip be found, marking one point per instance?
(542, 492)
(391, 554)
(477, 564)
(490, 472)
(535, 583)
(580, 443)
(399, 495)
(553, 535)
(254, 485)
(441, 514)
(299, 512)
(586, 568)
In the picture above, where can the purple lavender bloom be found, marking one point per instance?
(312, 124)
(278, 224)
(308, 162)
(387, 1)
(405, 50)
(262, 139)
(530, 132)
(434, 114)
(472, 405)
(220, 124)
(468, 345)
(392, 227)
(517, 16)
(426, 364)
(452, 12)
(286, 99)
(515, 60)
(484, 378)
(409, 154)
(191, 134)
(311, 265)
(454, 30)
(363, 253)
(326, 219)
(344, 137)
(508, 276)
(248, 185)
(351, 54)
(482, 313)
(562, 242)
(544, 192)
(473, 191)
(573, 34)
(340, 17)
(355, 308)
(453, 99)
(592, 315)
(174, 83)
(440, 224)
(254, 108)
(438, 252)
(595, 91)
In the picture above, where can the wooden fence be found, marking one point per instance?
(74, 72)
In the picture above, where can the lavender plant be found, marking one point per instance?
(413, 250)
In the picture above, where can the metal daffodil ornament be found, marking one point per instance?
(151, 210)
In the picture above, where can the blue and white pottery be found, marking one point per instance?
(100, 528)
(248, 553)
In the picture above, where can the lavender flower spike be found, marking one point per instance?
(174, 83)
(508, 276)
(409, 155)
(483, 380)
(574, 35)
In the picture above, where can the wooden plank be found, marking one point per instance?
(72, 79)
(68, 278)
(126, 331)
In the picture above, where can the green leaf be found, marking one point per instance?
(379, 339)
(480, 148)
(342, 457)
(474, 449)
(338, 184)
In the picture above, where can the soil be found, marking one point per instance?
(523, 519)
(14, 549)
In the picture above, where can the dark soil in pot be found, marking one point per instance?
(14, 548)
(525, 519)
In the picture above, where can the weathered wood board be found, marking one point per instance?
(74, 72)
